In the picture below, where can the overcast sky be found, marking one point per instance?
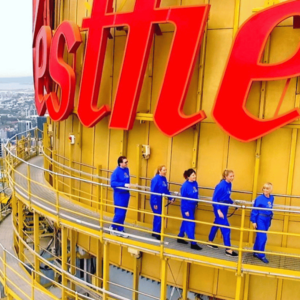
(15, 38)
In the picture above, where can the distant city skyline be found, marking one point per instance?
(16, 38)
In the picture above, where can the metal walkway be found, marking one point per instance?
(6, 239)
(68, 210)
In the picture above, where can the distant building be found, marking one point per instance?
(1, 148)
(3, 133)
(24, 126)
(40, 124)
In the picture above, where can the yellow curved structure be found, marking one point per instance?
(66, 186)
(87, 226)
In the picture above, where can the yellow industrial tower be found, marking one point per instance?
(62, 203)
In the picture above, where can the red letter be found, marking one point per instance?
(67, 33)
(189, 22)
(40, 68)
(244, 67)
(99, 25)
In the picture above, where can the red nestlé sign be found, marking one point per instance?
(243, 68)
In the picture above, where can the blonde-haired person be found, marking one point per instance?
(159, 184)
(222, 195)
(261, 219)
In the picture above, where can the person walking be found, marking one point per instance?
(120, 178)
(222, 195)
(159, 184)
(188, 207)
(261, 220)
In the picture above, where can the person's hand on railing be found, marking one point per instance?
(220, 214)
(127, 185)
(254, 225)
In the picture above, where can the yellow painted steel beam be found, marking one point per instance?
(163, 226)
(236, 19)
(290, 184)
(239, 264)
(123, 146)
(29, 184)
(73, 235)
(64, 258)
(46, 146)
(36, 240)
(105, 269)
(136, 277)
(163, 276)
(99, 265)
(246, 287)
(138, 216)
(186, 279)
(199, 97)
(14, 213)
(144, 117)
(70, 166)
(20, 229)
(279, 289)
(36, 137)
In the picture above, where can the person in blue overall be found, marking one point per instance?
(222, 195)
(120, 178)
(261, 220)
(188, 207)
(159, 184)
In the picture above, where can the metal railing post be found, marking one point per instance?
(57, 195)
(4, 267)
(36, 137)
(162, 230)
(29, 185)
(32, 284)
(101, 213)
(239, 264)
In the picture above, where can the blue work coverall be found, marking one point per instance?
(121, 197)
(221, 195)
(159, 184)
(262, 218)
(189, 190)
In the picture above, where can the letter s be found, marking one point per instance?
(67, 33)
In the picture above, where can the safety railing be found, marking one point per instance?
(65, 168)
(97, 220)
(12, 279)
(101, 201)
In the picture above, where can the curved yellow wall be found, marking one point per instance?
(206, 147)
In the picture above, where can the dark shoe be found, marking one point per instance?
(157, 236)
(263, 259)
(181, 241)
(233, 254)
(212, 246)
(195, 247)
